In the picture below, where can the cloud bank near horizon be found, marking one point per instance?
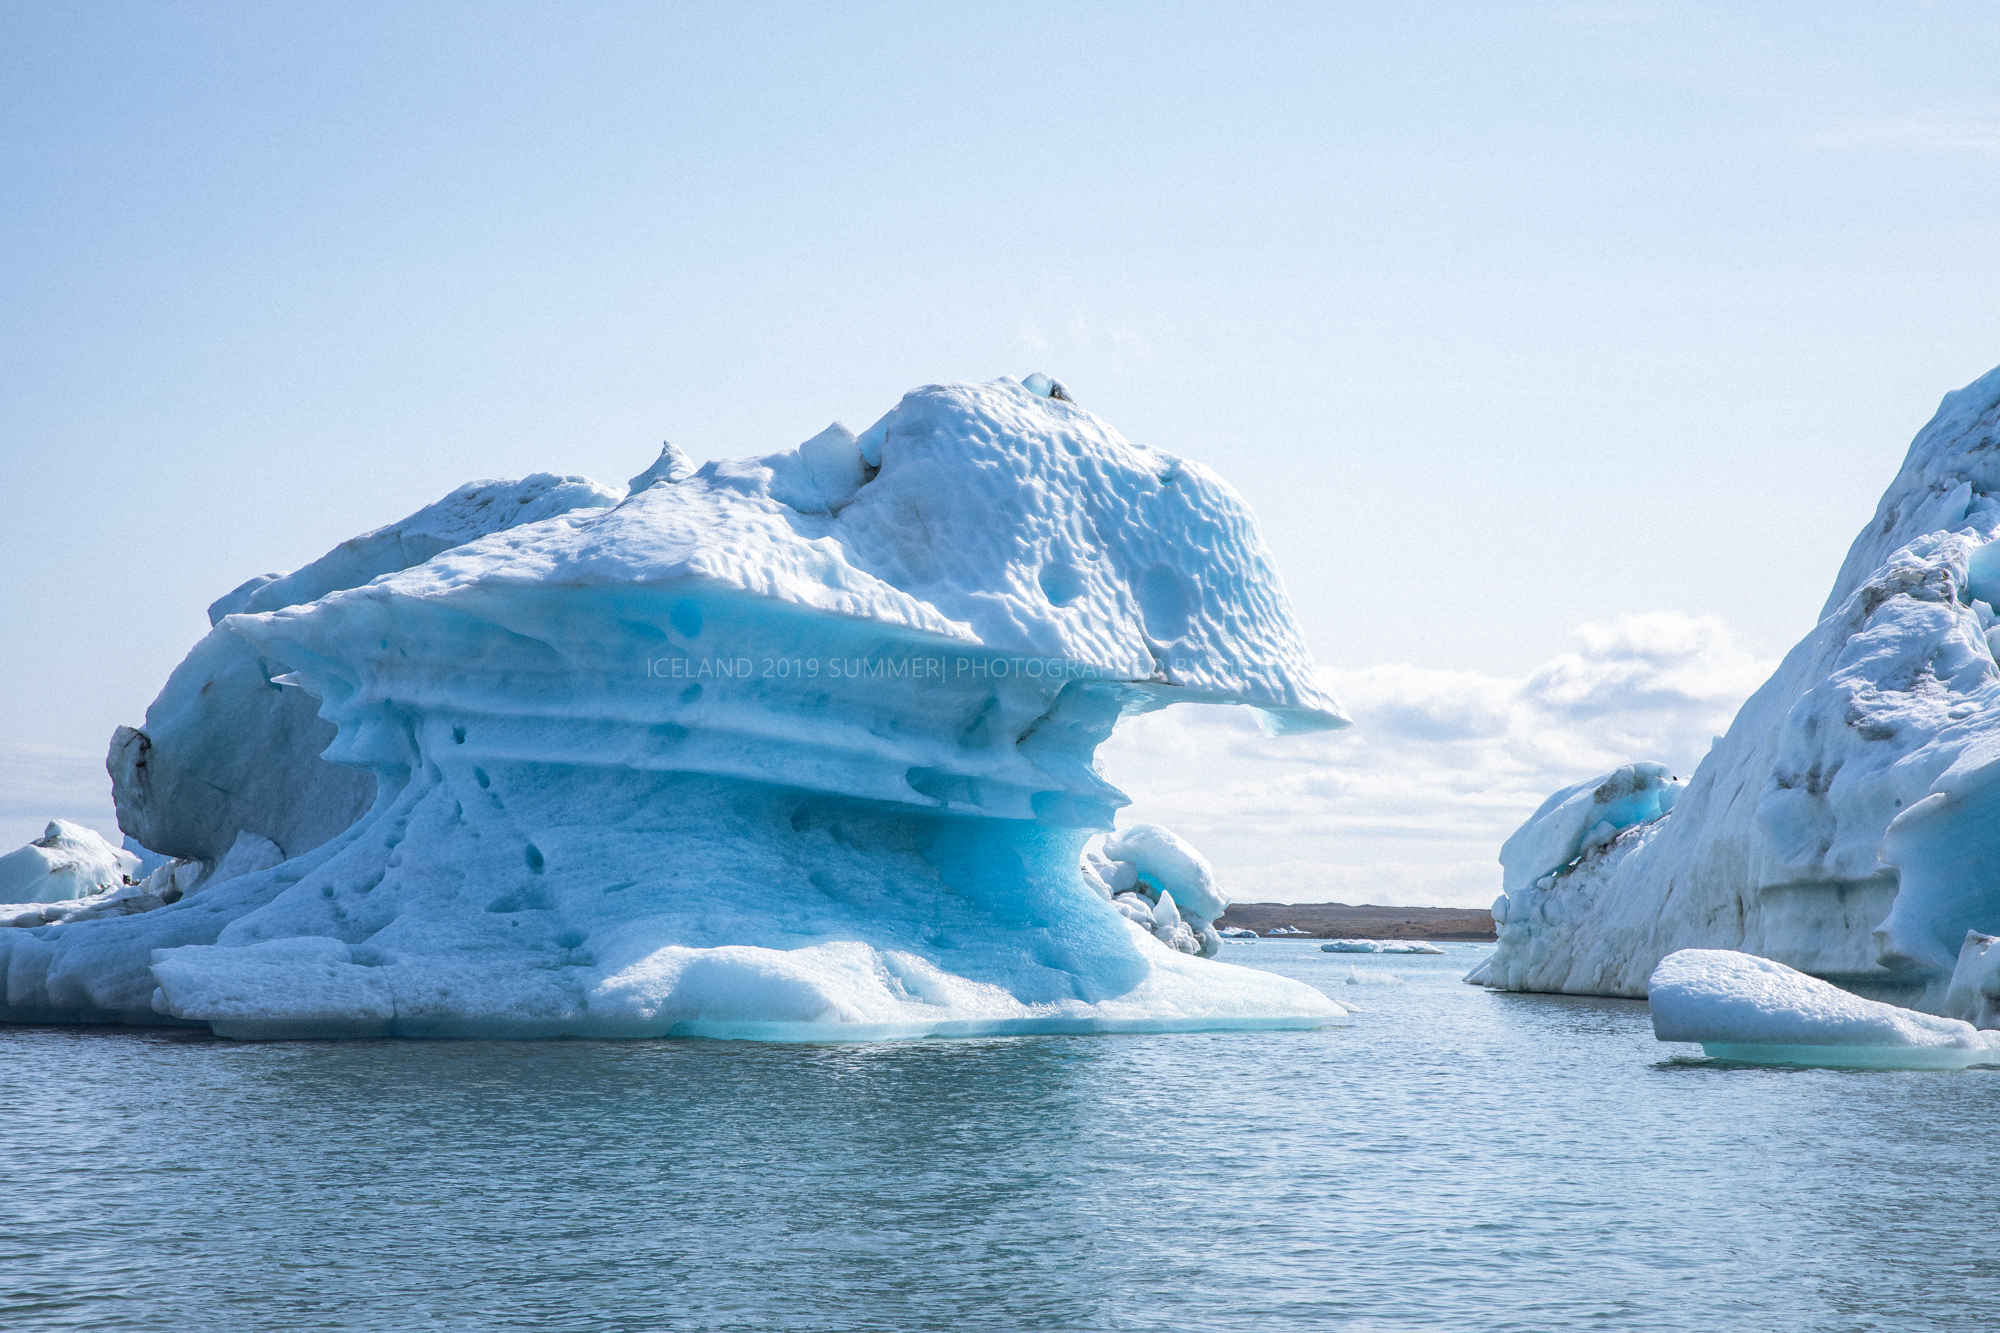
(1410, 805)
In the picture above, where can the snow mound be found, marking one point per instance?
(1754, 1010)
(1845, 824)
(792, 747)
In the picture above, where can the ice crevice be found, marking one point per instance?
(794, 747)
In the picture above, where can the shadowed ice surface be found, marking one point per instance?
(1456, 1159)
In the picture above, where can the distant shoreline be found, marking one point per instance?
(1332, 921)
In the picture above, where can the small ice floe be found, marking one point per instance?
(1369, 976)
(1378, 946)
(1756, 1011)
(1236, 932)
(1286, 930)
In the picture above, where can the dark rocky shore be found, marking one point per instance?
(1332, 921)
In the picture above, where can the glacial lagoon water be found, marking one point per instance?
(1456, 1159)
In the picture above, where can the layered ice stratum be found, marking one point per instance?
(798, 746)
(1848, 825)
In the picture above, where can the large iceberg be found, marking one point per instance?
(798, 746)
(1848, 825)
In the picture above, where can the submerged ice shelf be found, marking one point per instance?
(791, 747)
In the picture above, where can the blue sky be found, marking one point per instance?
(1506, 319)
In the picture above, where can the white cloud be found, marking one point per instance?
(1410, 806)
(1978, 133)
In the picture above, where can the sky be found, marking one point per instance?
(1560, 348)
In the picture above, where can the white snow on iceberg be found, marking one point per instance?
(68, 861)
(792, 747)
(1847, 823)
(1760, 1012)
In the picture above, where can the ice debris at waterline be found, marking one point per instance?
(791, 747)
(1378, 946)
(1760, 1012)
(1157, 880)
(1848, 822)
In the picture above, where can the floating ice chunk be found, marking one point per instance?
(1379, 946)
(1286, 930)
(1754, 1010)
(68, 861)
(1170, 864)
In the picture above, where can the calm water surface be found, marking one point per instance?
(1456, 1159)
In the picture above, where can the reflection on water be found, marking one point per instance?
(1457, 1159)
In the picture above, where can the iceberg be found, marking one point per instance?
(1848, 825)
(68, 861)
(796, 747)
(1378, 946)
(1756, 1011)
